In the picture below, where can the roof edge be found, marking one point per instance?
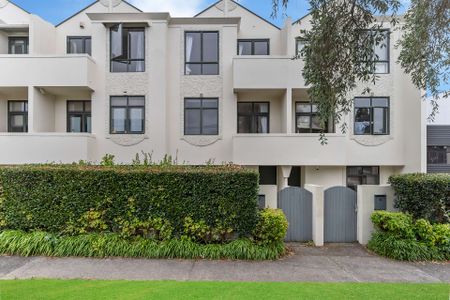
(19, 7)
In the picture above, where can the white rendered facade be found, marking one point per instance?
(47, 77)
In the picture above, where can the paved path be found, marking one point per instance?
(331, 263)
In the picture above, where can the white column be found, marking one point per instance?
(285, 173)
(317, 213)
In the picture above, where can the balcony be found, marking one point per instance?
(267, 72)
(288, 149)
(28, 70)
(28, 148)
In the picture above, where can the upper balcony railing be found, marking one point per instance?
(62, 70)
(267, 72)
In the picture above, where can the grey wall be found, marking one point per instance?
(438, 135)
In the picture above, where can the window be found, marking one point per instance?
(254, 47)
(18, 45)
(267, 175)
(127, 115)
(17, 116)
(299, 45)
(201, 116)
(362, 175)
(371, 116)
(202, 53)
(438, 155)
(253, 117)
(78, 116)
(380, 49)
(306, 118)
(127, 49)
(79, 44)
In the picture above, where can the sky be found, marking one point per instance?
(56, 11)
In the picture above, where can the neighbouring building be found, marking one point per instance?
(220, 86)
(438, 138)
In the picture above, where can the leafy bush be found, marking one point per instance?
(14, 242)
(129, 200)
(398, 236)
(398, 224)
(423, 195)
(271, 228)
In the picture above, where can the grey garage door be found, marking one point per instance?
(340, 215)
(296, 204)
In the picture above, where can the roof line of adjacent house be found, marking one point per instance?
(19, 7)
(67, 19)
(301, 18)
(253, 13)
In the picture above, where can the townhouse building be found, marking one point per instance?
(220, 86)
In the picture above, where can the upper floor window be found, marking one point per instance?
(371, 116)
(78, 116)
(299, 45)
(438, 155)
(127, 115)
(362, 175)
(253, 117)
(254, 47)
(79, 44)
(202, 53)
(307, 119)
(127, 49)
(17, 116)
(380, 49)
(201, 116)
(18, 45)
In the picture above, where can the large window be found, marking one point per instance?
(438, 155)
(202, 53)
(127, 49)
(254, 47)
(201, 116)
(79, 44)
(17, 116)
(18, 45)
(78, 116)
(380, 38)
(127, 115)
(371, 116)
(362, 175)
(253, 117)
(306, 118)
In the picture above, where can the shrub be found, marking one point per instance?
(398, 224)
(77, 199)
(271, 228)
(15, 242)
(423, 195)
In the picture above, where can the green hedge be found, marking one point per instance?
(112, 245)
(423, 195)
(169, 200)
(398, 236)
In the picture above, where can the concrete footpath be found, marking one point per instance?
(332, 263)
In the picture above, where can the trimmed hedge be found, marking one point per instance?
(112, 245)
(397, 236)
(54, 198)
(423, 195)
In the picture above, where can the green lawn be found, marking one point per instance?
(96, 289)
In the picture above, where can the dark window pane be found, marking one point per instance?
(380, 102)
(362, 102)
(88, 124)
(209, 122)
(261, 48)
(362, 121)
(87, 106)
(245, 48)
(262, 123)
(303, 123)
(75, 124)
(17, 106)
(193, 69)
(193, 47)
(381, 67)
(76, 106)
(119, 66)
(245, 108)
(380, 121)
(303, 108)
(315, 124)
(244, 124)
(75, 45)
(88, 46)
(119, 101)
(261, 107)
(267, 175)
(192, 121)
(137, 47)
(193, 103)
(210, 47)
(117, 42)
(362, 175)
(210, 69)
(136, 101)
(17, 120)
(209, 103)
(18, 45)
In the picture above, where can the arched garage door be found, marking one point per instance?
(340, 215)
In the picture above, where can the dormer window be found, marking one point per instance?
(79, 45)
(127, 49)
(18, 45)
